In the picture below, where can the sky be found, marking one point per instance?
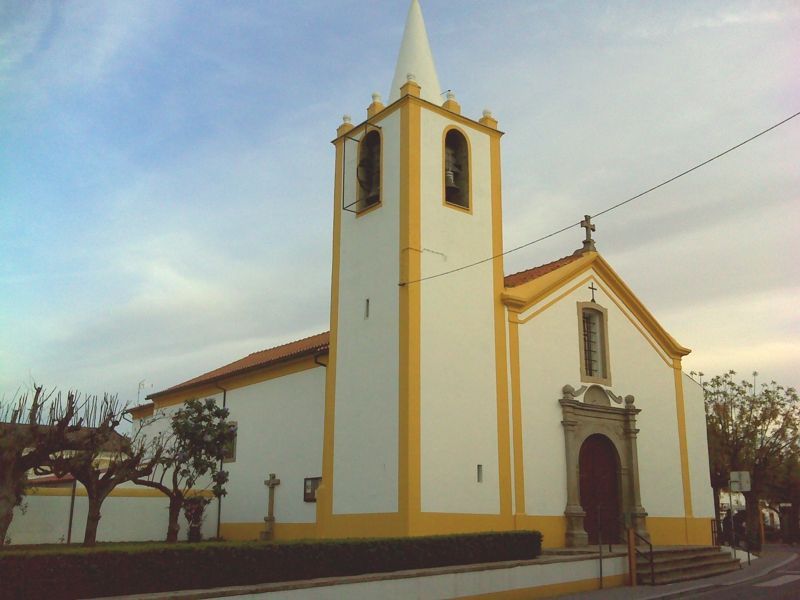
(166, 172)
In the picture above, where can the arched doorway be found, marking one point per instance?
(599, 489)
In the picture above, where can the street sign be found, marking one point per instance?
(740, 481)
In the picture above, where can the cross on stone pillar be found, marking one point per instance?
(269, 520)
(588, 243)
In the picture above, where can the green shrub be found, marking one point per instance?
(138, 569)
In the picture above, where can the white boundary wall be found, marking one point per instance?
(455, 582)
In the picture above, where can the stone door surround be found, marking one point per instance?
(593, 415)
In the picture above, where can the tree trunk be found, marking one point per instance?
(175, 505)
(753, 521)
(92, 520)
(7, 504)
(8, 499)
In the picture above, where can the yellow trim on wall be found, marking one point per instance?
(281, 531)
(325, 489)
(554, 589)
(500, 346)
(680, 531)
(140, 412)
(465, 209)
(680, 410)
(409, 494)
(521, 298)
(368, 525)
(237, 381)
(552, 527)
(118, 492)
(516, 420)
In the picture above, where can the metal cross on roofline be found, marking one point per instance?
(588, 243)
(594, 289)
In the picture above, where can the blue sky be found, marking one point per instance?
(166, 175)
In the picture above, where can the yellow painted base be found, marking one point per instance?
(552, 528)
(555, 589)
(679, 531)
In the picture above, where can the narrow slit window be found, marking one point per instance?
(480, 473)
(368, 172)
(594, 343)
(456, 169)
(366, 309)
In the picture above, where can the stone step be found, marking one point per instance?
(670, 557)
(685, 562)
(689, 573)
(671, 565)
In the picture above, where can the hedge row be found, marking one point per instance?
(109, 571)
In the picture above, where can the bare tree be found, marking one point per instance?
(110, 460)
(31, 430)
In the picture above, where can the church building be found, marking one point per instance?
(448, 400)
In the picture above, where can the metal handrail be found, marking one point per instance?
(650, 557)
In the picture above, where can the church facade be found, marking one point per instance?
(447, 399)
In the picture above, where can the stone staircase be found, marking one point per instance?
(682, 563)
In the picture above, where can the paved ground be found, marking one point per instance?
(773, 557)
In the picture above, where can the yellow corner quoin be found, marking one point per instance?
(325, 490)
(682, 439)
(409, 500)
(516, 419)
(500, 343)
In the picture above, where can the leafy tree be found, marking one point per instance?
(106, 463)
(751, 429)
(32, 430)
(192, 451)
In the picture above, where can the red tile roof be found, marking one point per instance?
(530, 274)
(310, 345)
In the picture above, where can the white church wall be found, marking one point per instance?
(550, 358)
(458, 378)
(266, 444)
(697, 442)
(366, 418)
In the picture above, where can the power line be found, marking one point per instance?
(607, 210)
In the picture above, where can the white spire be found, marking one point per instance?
(415, 58)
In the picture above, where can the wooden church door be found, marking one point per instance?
(599, 489)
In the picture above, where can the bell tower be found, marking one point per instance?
(416, 417)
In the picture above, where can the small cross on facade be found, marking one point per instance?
(594, 289)
(588, 243)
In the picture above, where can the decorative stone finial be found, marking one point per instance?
(629, 400)
(411, 77)
(488, 119)
(347, 125)
(376, 97)
(451, 103)
(347, 119)
(376, 106)
(487, 114)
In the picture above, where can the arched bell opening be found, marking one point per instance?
(368, 172)
(600, 489)
(456, 169)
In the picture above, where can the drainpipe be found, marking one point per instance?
(219, 500)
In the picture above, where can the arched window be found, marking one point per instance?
(368, 172)
(594, 343)
(456, 169)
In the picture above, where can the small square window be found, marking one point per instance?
(310, 485)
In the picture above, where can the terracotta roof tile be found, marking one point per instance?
(536, 272)
(310, 345)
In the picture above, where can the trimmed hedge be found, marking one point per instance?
(117, 570)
